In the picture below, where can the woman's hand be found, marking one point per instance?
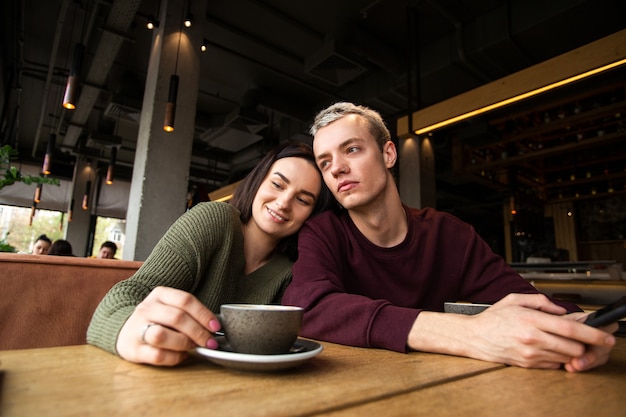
(164, 326)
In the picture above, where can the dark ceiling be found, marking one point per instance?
(271, 64)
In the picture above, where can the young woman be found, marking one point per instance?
(214, 254)
(42, 245)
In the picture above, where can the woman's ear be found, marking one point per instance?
(390, 154)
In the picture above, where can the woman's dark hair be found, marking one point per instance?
(61, 248)
(44, 238)
(246, 191)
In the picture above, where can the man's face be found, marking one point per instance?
(352, 164)
(105, 253)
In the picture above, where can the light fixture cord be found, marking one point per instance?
(180, 34)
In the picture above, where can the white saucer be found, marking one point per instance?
(302, 351)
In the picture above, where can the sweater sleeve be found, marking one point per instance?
(357, 294)
(334, 312)
(189, 251)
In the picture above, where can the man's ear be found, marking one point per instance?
(390, 154)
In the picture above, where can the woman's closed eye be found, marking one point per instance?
(306, 200)
(277, 185)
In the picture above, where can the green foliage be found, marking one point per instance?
(13, 175)
(6, 247)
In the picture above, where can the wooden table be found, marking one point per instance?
(341, 381)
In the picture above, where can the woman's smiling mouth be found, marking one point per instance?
(276, 215)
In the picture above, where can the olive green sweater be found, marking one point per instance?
(201, 253)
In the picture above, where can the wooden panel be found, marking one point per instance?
(84, 380)
(564, 228)
(613, 249)
(515, 391)
(602, 52)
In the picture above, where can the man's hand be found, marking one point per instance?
(525, 330)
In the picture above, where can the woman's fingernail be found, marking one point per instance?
(214, 325)
(212, 344)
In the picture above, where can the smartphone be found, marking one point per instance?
(464, 307)
(607, 314)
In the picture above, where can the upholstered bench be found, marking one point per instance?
(49, 300)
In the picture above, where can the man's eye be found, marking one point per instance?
(323, 164)
(352, 149)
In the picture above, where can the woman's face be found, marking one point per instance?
(41, 247)
(286, 197)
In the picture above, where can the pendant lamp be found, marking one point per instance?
(47, 160)
(71, 89)
(38, 191)
(170, 107)
(86, 196)
(111, 168)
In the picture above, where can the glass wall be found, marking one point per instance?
(18, 233)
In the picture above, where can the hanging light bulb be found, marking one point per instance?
(152, 23)
(111, 168)
(33, 211)
(70, 211)
(188, 16)
(71, 89)
(86, 196)
(47, 159)
(38, 191)
(170, 107)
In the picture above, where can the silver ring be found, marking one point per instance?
(144, 329)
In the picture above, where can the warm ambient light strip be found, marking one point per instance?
(519, 97)
(225, 198)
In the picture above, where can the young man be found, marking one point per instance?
(377, 273)
(107, 250)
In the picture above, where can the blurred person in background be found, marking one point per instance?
(42, 245)
(61, 247)
(107, 250)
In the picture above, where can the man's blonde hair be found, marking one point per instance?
(375, 122)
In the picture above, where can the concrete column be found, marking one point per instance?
(417, 172)
(161, 168)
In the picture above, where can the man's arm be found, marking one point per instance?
(526, 330)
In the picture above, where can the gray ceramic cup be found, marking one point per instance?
(260, 329)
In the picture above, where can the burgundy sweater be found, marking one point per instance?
(359, 294)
